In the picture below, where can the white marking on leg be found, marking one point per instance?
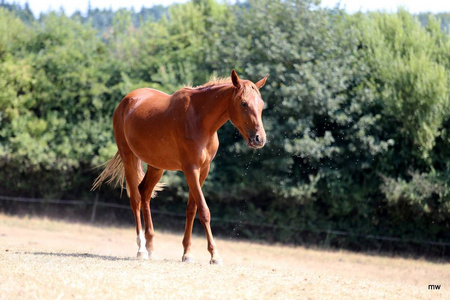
(141, 242)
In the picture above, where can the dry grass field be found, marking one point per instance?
(48, 259)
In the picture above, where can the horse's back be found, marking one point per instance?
(146, 93)
(141, 103)
(147, 99)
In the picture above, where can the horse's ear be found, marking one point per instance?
(235, 79)
(262, 82)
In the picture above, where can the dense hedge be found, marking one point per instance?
(358, 112)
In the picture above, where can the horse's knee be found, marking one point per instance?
(191, 210)
(204, 216)
(150, 234)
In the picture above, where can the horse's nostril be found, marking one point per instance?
(257, 138)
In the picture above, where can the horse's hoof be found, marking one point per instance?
(142, 255)
(152, 255)
(187, 259)
(216, 261)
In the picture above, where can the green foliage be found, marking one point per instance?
(409, 76)
(357, 111)
(421, 191)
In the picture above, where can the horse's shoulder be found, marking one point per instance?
(182, 93)
(181, 96)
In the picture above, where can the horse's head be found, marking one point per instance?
(245, 110)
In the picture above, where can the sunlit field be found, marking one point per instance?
(48, 259)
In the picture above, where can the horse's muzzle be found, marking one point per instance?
(256, 141)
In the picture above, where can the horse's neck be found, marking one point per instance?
(212, 106)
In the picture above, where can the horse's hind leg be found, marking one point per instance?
(151, 178)
(133, 175)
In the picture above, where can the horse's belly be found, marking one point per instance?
(151, 139)
(155, 149)
(162, 156)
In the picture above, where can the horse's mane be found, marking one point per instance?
(212, 82)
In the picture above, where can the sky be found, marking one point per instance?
(413, 6)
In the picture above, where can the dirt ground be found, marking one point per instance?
(49, 259)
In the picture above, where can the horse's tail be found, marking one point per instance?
(114, 174)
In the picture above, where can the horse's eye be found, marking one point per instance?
(244, 104)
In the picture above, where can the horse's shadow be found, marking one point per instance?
(82, 255)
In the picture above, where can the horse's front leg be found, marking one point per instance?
(191, 210)
(193, 179)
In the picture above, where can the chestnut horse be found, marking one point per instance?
(179, 132)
